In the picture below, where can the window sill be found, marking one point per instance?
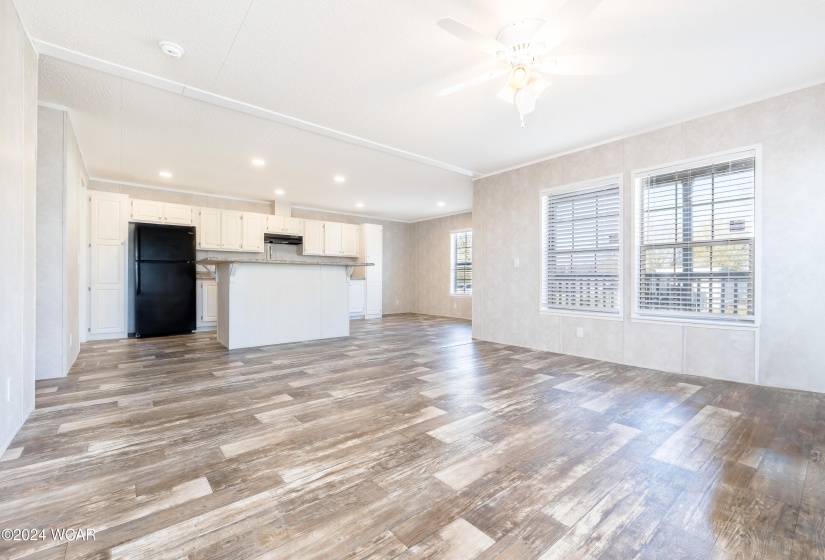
(588, 314)
(466, 296)
(699, 323)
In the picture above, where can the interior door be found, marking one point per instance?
(107, 263)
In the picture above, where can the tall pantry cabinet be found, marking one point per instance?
(371, 250)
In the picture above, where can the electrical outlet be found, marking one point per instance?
(515, 263)
(455, 305)
(579, 332)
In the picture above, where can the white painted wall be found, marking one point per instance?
(60, 175)
(786, 351)
(18, 143)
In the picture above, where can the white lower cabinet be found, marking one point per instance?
(207, 304)
(357, 298)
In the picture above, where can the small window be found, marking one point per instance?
(696, 239)
(461, 263)
(581, 249)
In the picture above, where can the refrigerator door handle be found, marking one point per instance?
(137, 277)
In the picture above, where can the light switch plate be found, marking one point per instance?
(515, 263)
(579, 332)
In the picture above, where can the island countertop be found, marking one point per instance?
(280, 261)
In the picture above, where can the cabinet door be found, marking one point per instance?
(147, 211)
(231, 231)
(209, 297)
(356, 297)
(209, 229)
(313, 238)
(374, 274)
(177, 214)
(275, 224)
(107, 280)
(349, 240)
(373, 298)
(293, 226)
(373, 241)
(332, 238)
(253, 232)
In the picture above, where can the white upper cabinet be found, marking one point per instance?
(231, 230)
(349, 240)
(253, 231)
(313, 238)
(209, 229)
(154, 212)
(284, 224)
(177, 214)
(293, 226)
(149, 211)
(332, 238)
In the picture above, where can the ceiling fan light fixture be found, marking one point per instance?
(507, 93)
(538, 84)
(519, 77)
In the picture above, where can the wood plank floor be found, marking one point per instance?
(408, 440)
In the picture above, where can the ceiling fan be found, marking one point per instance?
(524, 47)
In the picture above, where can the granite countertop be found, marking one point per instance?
(266, 261)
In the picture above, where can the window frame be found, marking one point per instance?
(588, 185)
(453, 262)
(640, 316)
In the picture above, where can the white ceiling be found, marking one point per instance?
(370, 69)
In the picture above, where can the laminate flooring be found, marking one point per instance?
(407, 440)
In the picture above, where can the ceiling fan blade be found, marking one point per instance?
(583, 65)
(564, 21)
(508, 93)
(472, 36)
(473, 82)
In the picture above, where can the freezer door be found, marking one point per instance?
(164, 243)
(164, 298)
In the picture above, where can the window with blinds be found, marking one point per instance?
(461, 263)
(695, 227)
(581, 250)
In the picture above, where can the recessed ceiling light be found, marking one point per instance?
(340, 178)
(279, 191)
(257, 162)
(439, 203)
(171, 49)
(165, 174)
(359, 204)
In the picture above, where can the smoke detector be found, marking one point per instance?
(171, 49)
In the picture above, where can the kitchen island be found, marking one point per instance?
(264, 302)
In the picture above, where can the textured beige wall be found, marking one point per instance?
(398, 246)
(18, 143)
(786, 351)
(60, 174)
(431, 267)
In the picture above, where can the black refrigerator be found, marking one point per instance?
(164, 280)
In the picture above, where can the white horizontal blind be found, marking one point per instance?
(696, 240)
(461, 269)
(581, 250)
